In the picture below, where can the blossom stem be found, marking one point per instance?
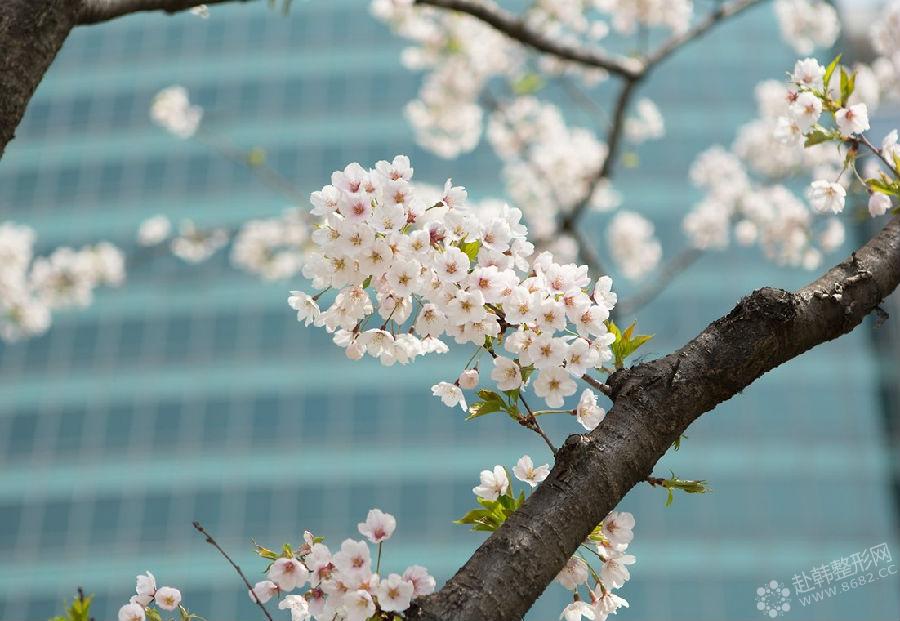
(531, 422)
(209, 539)
(604, 388)
(542, 412)
(879, 154)
(378, 559)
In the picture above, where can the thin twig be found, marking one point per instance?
(604, 388)
(532, 423)
(515, 28)
(863, 139)
(213, 543)
(614, 133)
(719, 14)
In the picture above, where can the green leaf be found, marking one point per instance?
(670, 498)
(481, 408)
(79, 609)
(817, 136)
(472, 517)
(470, 248)
(287, 551)
(848, 82)
(265, 552)
(528, 84)
(626, 343)
(829, 70)
(152, 614)
(883, 186)
(367, 282)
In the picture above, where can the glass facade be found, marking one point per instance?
(192, 393)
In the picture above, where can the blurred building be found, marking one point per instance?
(192, 393)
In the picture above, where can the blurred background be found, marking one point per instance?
(192, 392)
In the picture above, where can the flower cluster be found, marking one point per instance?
(32, 287)
(807, 24)
(173, 111)
(789, 137)
(343, 584)
(150, 599)
(609, 541)
(462, 54)
(192, 244)
(273, 248)
(437, 269)
(548, 166)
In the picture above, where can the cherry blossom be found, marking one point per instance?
(378, 527)
(525, 471)
(493, 483)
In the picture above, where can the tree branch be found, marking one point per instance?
(654, 404)
(516, 28)
(33, 31)
(97, 11)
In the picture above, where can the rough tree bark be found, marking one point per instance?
(33, 31)
(654, 403)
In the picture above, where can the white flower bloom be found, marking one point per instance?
(493, 483)
(131, 612)
(263, 591)
(423, 583)
(468, 380)
(576, 610)
(617, 528)
(806, 110)
(879, 204)
(614, 571)
(581, 357)
(554, 385)
(588, 413)
(378, 527)
(825, 196)
(852, 119)
(525, 471)
(358, 605)
(298, 606)
(807, 24)
(154, 231)
(172, 110)
(809, 73)
(167, 598)
(146, 584)
(574, 573)
(288, 574)
(449, 394)
(307, 310)
(394, 594)
(632, 244)
(353, 561)
(603, 294)
(506, 373)
(606, 602)
(647, 125)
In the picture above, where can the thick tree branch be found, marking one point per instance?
(33, 31)
(516, 28)
(97, 11)
(654, 404)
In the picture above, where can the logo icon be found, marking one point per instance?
(773, 599)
